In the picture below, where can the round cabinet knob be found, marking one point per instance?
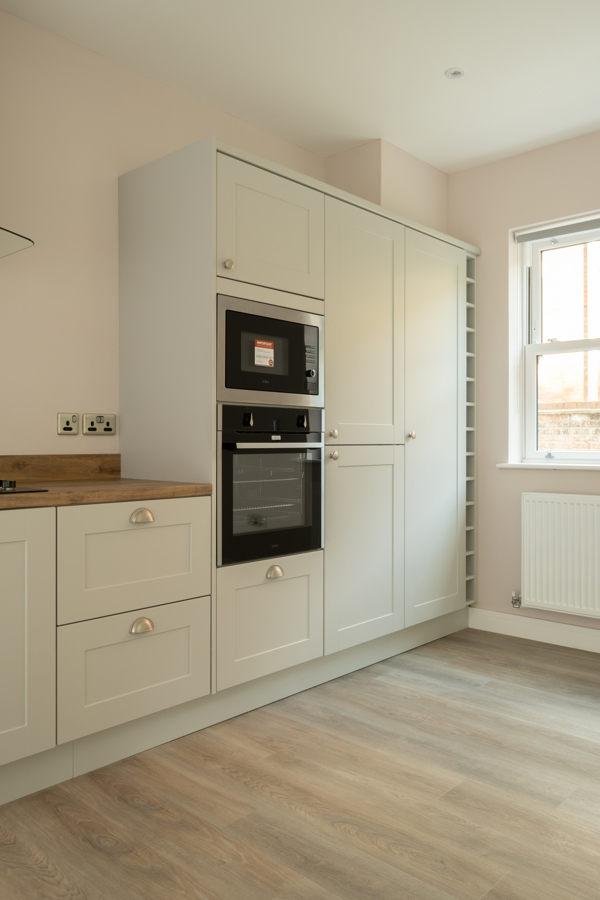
(334, 455)
(141, 626)
(141, 515)
(275, 572)
(310, 373)
(412, 434)
(334, 433)
(229, 264)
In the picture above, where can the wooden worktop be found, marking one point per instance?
(78, 479)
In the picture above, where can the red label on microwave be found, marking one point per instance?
(264, 353)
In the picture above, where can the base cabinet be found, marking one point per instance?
(27, 632)
(265, 623)
(364, 545)
(118, 556)
(107, 675)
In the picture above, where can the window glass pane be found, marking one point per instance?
(571, 292)
(568, 414)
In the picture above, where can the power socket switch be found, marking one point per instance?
(68, 423)
(99, 423)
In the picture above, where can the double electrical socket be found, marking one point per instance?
(93, 423)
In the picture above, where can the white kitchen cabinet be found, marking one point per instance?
(265, 624)
(107, 676)
(364, 544)
(269, 229)
(27, 632)
(364, 326)
(111, 559)
(435, 492)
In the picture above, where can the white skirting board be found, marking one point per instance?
(575, 636)
(35, 773)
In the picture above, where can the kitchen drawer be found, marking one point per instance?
(108, 565)
(107, 676)
(268, 624)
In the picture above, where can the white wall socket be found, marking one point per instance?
(68, 423)
(99, 423)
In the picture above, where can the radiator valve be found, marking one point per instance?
(516, 600)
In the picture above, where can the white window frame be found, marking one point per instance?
(531, 256)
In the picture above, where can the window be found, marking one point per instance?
(561, 271)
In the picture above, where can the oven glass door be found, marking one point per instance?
(270, 502)
(272, 355)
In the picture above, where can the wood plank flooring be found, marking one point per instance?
(465, 769)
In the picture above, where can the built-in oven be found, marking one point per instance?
(269, 482)
(268, 354)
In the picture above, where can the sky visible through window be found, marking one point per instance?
(568, 383)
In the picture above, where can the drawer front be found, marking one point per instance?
(268, 624)
(107, 676)
(108, 564)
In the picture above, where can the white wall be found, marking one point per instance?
(72, 122)
(484, 203)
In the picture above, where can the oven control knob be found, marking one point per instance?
(334, 433)
(229, 264)
(310, 373)
(334, 455)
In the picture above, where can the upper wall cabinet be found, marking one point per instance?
(364, 333)
(269, 229)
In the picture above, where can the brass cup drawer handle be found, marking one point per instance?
(275, 572)
(141, 515)
(141, 626)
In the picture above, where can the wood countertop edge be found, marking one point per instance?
(78, 493)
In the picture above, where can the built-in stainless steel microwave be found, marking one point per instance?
(268, 354)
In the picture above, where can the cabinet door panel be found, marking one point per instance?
(364, 333)
(107, 564)
(435, 410)
(107, 676)
(364, 545)
(265, 625)
(27, 635)
(271, 228)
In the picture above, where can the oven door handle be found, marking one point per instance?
(275, 445)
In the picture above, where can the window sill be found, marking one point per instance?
(568, 465)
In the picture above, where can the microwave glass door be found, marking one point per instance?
(271, 502)
(269, 354)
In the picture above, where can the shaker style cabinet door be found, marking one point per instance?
(269, 229)
(435, 412)
(269, 616)
(364, 544)
(118, 556)
(110, 673)
(27, 632)
(364, 331)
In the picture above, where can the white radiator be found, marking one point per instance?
(560, 553)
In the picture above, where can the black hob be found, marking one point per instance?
(10, 487)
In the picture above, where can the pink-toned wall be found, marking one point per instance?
(484, 203)
(72, 122)
(384, 174)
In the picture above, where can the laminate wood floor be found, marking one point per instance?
(465, 769)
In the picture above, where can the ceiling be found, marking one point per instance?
(332, 74)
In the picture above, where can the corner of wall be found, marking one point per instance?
(357, 171)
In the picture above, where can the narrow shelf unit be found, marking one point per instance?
(470, 463)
